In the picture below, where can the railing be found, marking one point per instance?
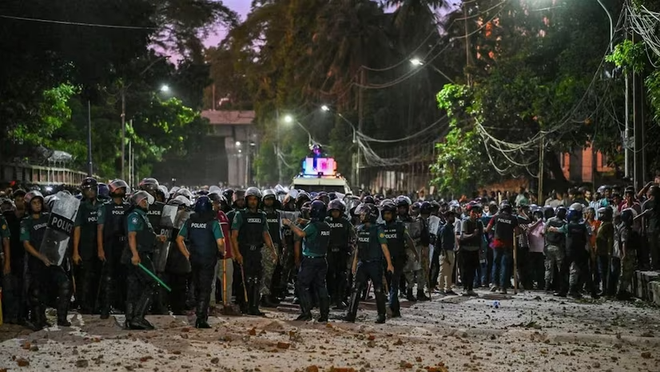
(40, 175)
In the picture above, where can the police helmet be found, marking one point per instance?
(628, 216)
(149, 185)
(416, 205)
(336, 204)
(253, 191)
(141, 195)
(332, 195)
(268, 193)
(185, 193)
(369, 200)
(104, 191)
(6, 205)
(367, 212)
(506, 207)
(403, 201)
(50, 201)
(89, 183)
(228, 194)
(574, 214)
(162, 189)
(387, 206)
(317, 210)
(548, 212)
(174, 189)
(425, 208)
(31, 195)
(115, 187)
(605, 214)
(180, 200)
(560, 212)
(203, 205)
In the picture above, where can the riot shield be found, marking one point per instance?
(162, 250)
(60, 228)
(289, 215)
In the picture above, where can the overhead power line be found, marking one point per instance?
(68, 23)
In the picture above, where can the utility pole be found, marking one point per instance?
(540, 200)
(90, 170)
(123, 130)
(638, 122)
(358, 162)
(277, 146)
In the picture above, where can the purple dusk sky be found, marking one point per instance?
(242, 7)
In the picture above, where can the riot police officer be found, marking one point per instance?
(418, 230)
(313, 266)
(555, 251)
(85, 249)
(504, 224)
(111, 237)
(577, 254)
(273, 218)
(397, 238)
(154, 214)
(206, 242)
(368, 261)
(249, 233)
(342, 234)
(44, 274)
(141, 242)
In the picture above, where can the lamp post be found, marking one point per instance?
(418, 62)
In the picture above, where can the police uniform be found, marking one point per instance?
(341, 235)
(42, 277)
(627, 236)
(13, 286)
(504, 225)
(273, 219)
(555, 254)
(140, 287)
(577, 257)
(604, 246)
(250, 226)
(112, 225)
(154, 214)
(87, 274)
(369, 267)
(417, 271)
(202, 235)
(314, 268)
(395, 234)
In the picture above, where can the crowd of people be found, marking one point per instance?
(211, 250)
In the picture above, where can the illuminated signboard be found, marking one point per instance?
(319, 166)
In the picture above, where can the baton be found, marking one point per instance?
(154, 277)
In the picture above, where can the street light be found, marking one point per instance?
(325, 108)
(165, 88)
(418, 62)
(238, 143)
(288, 119)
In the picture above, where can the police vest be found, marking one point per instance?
(339, 232)
(395, 235)
(504, 225)
(37, 229)
(555, 238)
(576, 237)
(145, 238)
(154, 214)
(273, 220)
(369, 248)
(415, 227)
(317, 247)
(88, 228)
(251, 231)
(114, 216)
(202, 242)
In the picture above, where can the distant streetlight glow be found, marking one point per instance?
(325, 108)
(288, 119)
(416, 62)
(238, 143)
(165, 88)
